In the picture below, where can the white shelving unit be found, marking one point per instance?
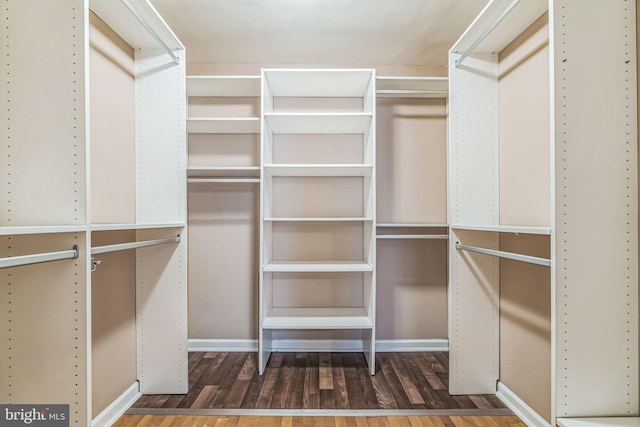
(591, 220)
(56, 191)
(287, 219)
(207, 96)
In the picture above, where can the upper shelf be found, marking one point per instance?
(499, 23)
(322, 123)
(505, 228)
(318, 170)
(45, 229)
(412, 87)
(229, 86)
(318, 83)
(119, 227)
(117, 16)
(224, 171)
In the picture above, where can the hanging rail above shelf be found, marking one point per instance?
(502, 254)
(16, 261)
(486, 32)
(150, 30)
(133, 245)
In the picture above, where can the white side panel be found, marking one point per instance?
(160, 138)
(473, 133)
(473, 315)
(42, 136)
(596, 219)
(161, 316)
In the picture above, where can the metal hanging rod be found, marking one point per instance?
(133, 245)
(150, 30)
(15, 261)
(486, 32)
(517, 257)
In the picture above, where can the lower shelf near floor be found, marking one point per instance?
(317, 318)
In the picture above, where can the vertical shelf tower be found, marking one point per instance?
(53, 200)
(317, 232)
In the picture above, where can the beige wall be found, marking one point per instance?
(113, 200)
(113, 320)
(112, 118)
(525, 289)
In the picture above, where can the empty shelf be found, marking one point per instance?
(318, 83)
(320, 123)
(317, 219)
(413, 236)
(223, 171)
(600, 422)
(240, 86)
(317, 266)
(41, 229)
(317, 318)
(318, 170)
(412, 87)
(115, 227)
(410, 225)
(224, 125)
(505, 229)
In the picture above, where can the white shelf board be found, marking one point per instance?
(223, 125)
(223, 180)
(317, 266)
(223, 171)
(518, 20)
(116, 15)
(412, 87)
(410, 225)
(115, 227)
(229, 86)
(41, 229)
(322, 123)
(317, 219)
(317, 318)
(413, 236)
(318, 83)
(599, 422)
(505, 229)
(318, 170)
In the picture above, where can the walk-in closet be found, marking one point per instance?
(417, 208)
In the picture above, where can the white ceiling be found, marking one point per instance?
(307, 32)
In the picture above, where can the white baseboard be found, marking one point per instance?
(530, 417)
(118, 407)
(285, 345)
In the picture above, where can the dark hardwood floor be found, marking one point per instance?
(324, 421)
(319, 381)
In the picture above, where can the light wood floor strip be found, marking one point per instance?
(337, 421)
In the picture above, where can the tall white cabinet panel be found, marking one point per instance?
(596, 235)
(592, 223)
(309, 188)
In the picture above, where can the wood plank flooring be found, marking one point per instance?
(415, 381)
(337, 421)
